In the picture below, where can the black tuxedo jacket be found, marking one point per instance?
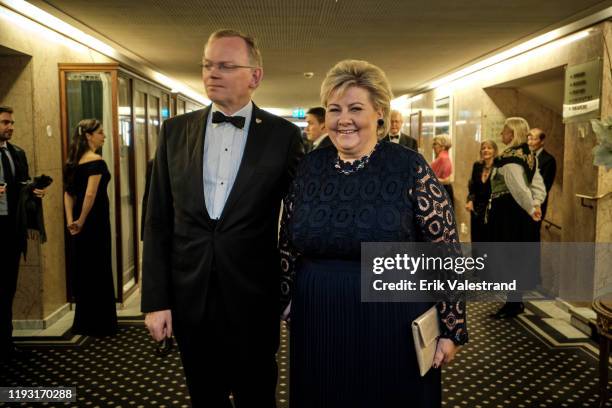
(21, 176)
(324, 143)
(405, 141)
(184, 248)
(548, 169)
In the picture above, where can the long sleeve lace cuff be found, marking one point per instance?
(452, 321)
(288, 254)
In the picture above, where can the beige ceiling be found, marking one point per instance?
(413, 41)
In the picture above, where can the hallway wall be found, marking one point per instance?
(603, 232)
(34, 94)
(478, 115)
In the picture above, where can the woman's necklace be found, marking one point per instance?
(486, 170)
(347, 168)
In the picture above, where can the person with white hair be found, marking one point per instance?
(517, 192)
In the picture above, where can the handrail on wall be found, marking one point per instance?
(550, 224)
(583, 197)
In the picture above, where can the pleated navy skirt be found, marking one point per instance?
(345, 353)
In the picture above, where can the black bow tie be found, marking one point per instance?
(394, 137)
(219, 117)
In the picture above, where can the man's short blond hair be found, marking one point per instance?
(250, 41)
(360, 74)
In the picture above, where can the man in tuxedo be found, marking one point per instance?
(395, 132)
(546, 162)
(13, 174)
(211, 271)
(315, 130)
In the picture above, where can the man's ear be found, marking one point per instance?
(256, 77)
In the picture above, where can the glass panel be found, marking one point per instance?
(180, 107)
(153, 125)
(140, 150)
(442, 124)
(127, 189)
(88, 95)
(442, 116)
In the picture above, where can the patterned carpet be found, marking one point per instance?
(506, 364)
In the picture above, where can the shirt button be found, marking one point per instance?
(226, 149)
(221, 183)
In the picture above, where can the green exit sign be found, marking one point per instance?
(298, 113)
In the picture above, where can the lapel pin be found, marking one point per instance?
(257, 120)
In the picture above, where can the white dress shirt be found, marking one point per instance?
(223, 149)
(3, 198)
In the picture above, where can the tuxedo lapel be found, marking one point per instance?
(196, 132)
(252, 151)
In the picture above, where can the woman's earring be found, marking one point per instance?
(380, 122)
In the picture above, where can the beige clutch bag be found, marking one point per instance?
(425, 332)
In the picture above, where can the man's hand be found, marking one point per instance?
(445, 352)
(159, 324)
(469, 206)
(2, 189)
(40, 193)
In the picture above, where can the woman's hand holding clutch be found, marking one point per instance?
(445, 352)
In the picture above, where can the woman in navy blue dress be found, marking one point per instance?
(345, 353)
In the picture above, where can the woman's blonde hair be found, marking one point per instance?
(520, 127)
(492, 145)
(361, 74)
(443, 140)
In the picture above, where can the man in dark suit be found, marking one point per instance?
(315, 129)
(211, 266)
(395, 132)
(13, 174)
(546, 162)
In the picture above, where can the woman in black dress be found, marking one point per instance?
(87, 215)
(479, 190)
(346, 353)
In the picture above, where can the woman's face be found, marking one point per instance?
(96, 139)
(486, 152)
(507, 135)
(351, 121)
(437, 148)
